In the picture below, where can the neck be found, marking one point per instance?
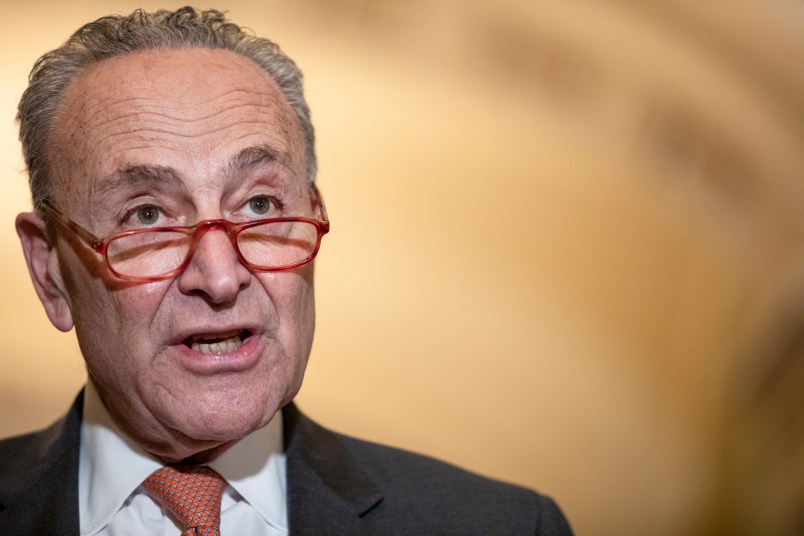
(168, 445)
(198, 458)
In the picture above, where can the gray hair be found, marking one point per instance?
(117, 35)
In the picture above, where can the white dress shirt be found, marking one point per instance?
(112, 502)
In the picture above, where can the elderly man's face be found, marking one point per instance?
(172, 138)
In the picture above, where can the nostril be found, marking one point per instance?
(214, 270)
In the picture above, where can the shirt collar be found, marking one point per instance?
(255, 468)
(112, 468)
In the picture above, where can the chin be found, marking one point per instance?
(224, 426)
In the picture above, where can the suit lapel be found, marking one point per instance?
(39, 493)
(327, 492)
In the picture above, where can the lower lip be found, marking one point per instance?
(240, 360)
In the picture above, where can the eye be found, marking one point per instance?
(148, 215)
(144, 215)
(262, 205)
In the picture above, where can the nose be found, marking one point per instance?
(214, 270)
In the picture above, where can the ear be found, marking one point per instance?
(43, 266)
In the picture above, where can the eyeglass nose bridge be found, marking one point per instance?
(201, 229)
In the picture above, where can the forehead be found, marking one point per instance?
(187, 109)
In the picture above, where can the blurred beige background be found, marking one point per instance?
(567, 246)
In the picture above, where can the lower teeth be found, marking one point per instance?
(217, 348)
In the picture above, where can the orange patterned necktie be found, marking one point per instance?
(192, 495)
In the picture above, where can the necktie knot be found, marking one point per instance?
(192, 495)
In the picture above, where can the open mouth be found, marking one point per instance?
(218, 343)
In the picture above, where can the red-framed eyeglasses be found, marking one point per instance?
(148, 255)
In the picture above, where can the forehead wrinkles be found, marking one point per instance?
(115, 109)
(111, 120)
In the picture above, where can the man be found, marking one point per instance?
(172, 165)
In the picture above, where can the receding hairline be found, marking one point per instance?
(139, 31)
(61, 128)
(177, 48)
(94, 67)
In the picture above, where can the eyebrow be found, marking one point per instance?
(139, 175)
(256, 156)
(147, 175)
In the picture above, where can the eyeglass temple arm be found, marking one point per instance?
(322, 209)
(92, 241)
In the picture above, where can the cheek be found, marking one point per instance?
(114, 333)
(78, 264)
(83, 273)
(111, 318)
(98, 330)
(296, 310)
(291, 294)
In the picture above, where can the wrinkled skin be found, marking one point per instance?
(178, 119)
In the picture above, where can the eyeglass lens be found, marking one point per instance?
(160, 251)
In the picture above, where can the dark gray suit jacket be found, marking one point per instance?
(336, 485)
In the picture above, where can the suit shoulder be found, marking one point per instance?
(396, 492)
(391, 464)
(417, 483)
(39, 480)
(27, 457)
(23, 455)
